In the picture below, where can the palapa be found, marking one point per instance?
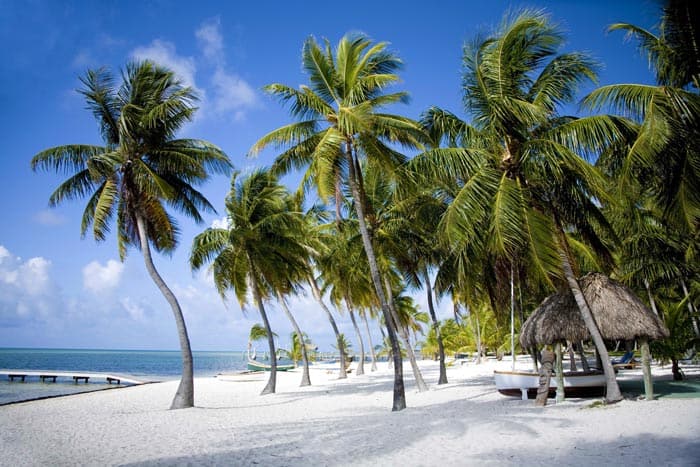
(617, 311)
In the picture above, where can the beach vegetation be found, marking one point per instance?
(140, 173)
(524, 185)
(259, 251)
(340, 123)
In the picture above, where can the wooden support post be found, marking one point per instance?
(545, 376)
(560, 372)
(646, 368)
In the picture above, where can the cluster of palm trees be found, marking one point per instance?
(495, 212)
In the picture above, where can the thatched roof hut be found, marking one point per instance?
(618, 312)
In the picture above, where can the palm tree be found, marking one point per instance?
(341, 123)
(523, 184)
(318, 238)
(258, 250)
(664, 156)
(141, 169)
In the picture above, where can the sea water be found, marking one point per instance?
(139, 364)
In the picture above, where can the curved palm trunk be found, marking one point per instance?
(436, 326)
(338, 339)
(371, 345)
(399, 398)
(652, 302)
(361, 364)
(403, 333)
(612, 393)
(478, 338)
(691, 309)
(272, 382)
(305, 379)
(184, 397)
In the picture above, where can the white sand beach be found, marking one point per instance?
(346, 422)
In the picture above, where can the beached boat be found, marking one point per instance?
(254, 365)
(525, 383)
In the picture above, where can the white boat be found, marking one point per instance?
(525, 383)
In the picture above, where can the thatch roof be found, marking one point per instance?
(618, 312)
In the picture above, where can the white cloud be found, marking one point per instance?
(98, 279)
(232, 95)
(222, 223)
(134, 310)
(164, 53)
(210, 40)
(27, 291)
(226, 94)
(49, 217)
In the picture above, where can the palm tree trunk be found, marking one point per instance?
(559, 367)
(572, 356)
(361, 364)
(371, 345)
(420, 382)
(652, 302)
(646, 368)
(612, 393)
(582, 356)
(399, 398)
(338, 339)
(691, 309)
(305, 379)
(478, 338)
(436, 326)
(272, 382)
(512, 319)
(184, 397)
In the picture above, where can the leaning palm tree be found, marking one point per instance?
(523, 181)
(257, 250)
(341, 123)
(141, 169)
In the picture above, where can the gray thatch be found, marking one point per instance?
(617, 311)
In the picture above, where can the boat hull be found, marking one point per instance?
(524, 384)
(257, 366)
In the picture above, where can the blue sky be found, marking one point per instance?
(58, 290)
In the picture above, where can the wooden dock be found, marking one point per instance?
(77, 377)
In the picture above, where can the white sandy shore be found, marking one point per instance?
(346, 422)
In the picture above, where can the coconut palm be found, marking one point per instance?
(341, 123)
(523, 181)
(258, 250)
(665, 156)
(139, 171)
(317, 236)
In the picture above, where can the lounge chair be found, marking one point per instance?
(627, 361)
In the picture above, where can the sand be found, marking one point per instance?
(346, 422)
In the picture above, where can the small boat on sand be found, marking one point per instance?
(254, 365)
(525, 383)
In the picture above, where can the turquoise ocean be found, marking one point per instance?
(144, 365)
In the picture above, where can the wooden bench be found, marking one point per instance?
(111, 380)
(16, 375)
(45, 377)
(78, 378)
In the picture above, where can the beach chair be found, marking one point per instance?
(627, 361)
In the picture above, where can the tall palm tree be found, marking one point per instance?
(523, 179)
(662, 166)
(665, 155)
(341, 123)
(257, 251)
(139, 171)
(317, 237)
